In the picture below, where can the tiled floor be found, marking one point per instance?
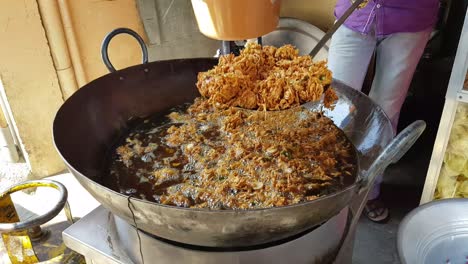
(379, 241)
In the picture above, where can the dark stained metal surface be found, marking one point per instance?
(87, 124)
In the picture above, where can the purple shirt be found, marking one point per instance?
(391, 16)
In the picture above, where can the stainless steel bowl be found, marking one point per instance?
(436, 232)
(304, 36)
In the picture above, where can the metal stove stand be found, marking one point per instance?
(104, 238)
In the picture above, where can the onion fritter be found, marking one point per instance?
(235, 158)
(266, 78)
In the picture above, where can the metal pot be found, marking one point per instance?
(86, 125)
(435, 232)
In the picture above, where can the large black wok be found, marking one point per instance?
(87, 124)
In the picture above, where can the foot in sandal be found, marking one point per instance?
(376, 211)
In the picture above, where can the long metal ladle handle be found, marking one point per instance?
(334, 28)
(38, 220)
(392, 153)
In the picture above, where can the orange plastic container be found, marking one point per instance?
(236, 19)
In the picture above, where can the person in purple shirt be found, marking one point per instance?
(397, 31)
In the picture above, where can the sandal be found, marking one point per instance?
(376, 211)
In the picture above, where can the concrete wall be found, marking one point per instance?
(30, 82)
(31, 86)
(173, 32)
(317, 12)
(3, 122)
(92, 20)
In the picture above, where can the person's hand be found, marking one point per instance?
(362, 5)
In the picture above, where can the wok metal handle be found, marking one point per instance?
(42, 219)
(393, 152)
(113, 33)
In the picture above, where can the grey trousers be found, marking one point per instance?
(397, 56)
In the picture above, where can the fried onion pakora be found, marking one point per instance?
(266, 78)
(235, 158)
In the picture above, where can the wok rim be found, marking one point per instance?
(357, 184)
